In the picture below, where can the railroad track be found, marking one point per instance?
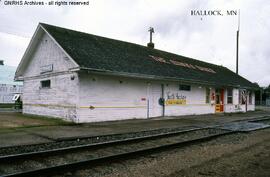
(71, 158)
(68, 159)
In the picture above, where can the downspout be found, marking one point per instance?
(162, 96)
(148, 104)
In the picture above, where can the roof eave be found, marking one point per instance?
(153, 77)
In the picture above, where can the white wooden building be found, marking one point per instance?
(85, 78)
(8, 88)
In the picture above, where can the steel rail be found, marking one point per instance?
(110, 158)
(108, 143)
(92, 145)
(253, 119)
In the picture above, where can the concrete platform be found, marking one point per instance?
(31, 130)
(243, 126)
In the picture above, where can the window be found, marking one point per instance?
(46, 84)
(184, 87)
(229, 96)
(207, 95)
(250, 97)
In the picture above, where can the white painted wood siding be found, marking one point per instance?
(61, 99)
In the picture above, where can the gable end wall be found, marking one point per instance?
(58, 101)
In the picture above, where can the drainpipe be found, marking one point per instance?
(148, 104)
(162, 96)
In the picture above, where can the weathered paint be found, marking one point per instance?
(236, 107)
(47, 53)
(112, 98)
(87, 97)
(195, 101)
(61, 99)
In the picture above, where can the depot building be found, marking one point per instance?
(85, 78)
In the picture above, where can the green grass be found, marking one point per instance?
(6, 105)
(49, 120)
(42, 121)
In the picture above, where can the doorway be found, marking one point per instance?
(155, 92)
(219, 101)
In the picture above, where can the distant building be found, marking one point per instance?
(85, 78)
(8, 88)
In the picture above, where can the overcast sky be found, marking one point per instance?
(207, 38)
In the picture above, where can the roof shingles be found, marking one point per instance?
(95, 52)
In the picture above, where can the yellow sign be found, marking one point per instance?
(175, 102)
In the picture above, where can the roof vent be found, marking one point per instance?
(1, 62)
(151, 44)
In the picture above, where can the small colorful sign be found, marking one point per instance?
(175, 101)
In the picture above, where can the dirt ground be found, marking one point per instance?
(249, 162)
(240, 155)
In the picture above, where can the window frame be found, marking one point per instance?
(229, 90)
(45, 84)
(184, 87)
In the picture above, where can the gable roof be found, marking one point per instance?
(102, 54)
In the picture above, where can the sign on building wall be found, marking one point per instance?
(175, 102)
(46, 68)
(175, 99)
(178, 63)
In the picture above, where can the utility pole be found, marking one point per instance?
(237, 41)
(261, 94)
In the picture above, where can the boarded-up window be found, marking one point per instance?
(229, 96)
(45, 84)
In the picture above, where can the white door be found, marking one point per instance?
(154, 94)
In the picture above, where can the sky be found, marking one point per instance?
(209, 38)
